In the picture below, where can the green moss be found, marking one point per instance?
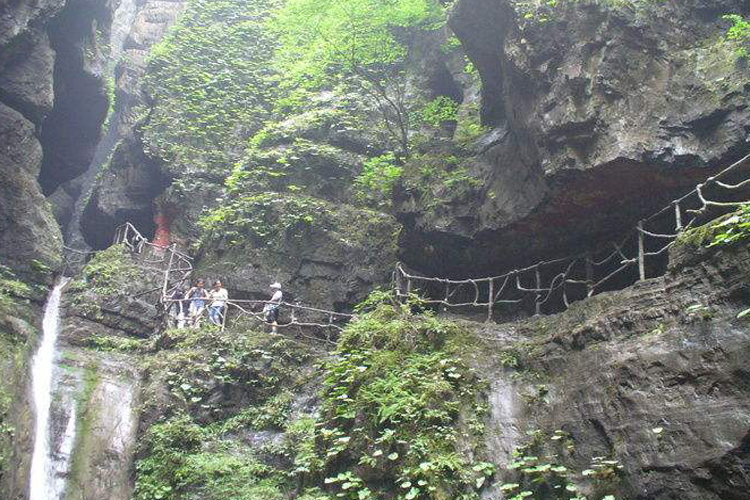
(113, 343)
(111, 273)
(697, 237)
(18, 336)
(210, 77)
(86, 418)
(723, 230)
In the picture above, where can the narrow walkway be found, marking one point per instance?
(545, 287)
(554, 284)
(178, 272)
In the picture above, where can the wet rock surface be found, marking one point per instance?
(28, 231)
(100, 391)
(599, 116)
(653, 376)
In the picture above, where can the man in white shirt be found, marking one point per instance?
(219, 296)
(271, 308)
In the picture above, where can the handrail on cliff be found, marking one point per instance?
(178, 262)
(580, 270)
(541, 282)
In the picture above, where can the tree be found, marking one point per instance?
(359, 42)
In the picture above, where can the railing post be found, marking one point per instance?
(641, 252)
(166, 274)
(538, 308)
(678, 216)
(490, 299)
(224, 314)
(408, 287)
(589, 273)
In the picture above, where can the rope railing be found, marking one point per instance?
(236, 311)
(583, 275)
(179, 265)
(178, 271)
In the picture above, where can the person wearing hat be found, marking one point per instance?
(271, 308)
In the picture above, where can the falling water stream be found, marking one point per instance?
(49, 463)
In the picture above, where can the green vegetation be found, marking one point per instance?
(538, 471)
(261, 219)
(192, 447)
(402, 412)
(732, 229)
(739, 34)
(360, 43)
(17, 336)
(115, 344)
(378, 177)
(178, 460)
(208, 77)
(543, 11)
(109, 273)
(725, 230)
(440, 110)
(11, 289)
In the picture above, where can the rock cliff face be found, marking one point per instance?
(574, 120)
(653, 376)
(597, 113)
(54, 98)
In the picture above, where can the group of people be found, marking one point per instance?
(188, 306)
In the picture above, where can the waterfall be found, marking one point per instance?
(48, 465)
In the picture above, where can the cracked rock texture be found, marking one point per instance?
(666, 353)
(596, 117)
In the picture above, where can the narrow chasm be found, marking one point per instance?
(79, 36)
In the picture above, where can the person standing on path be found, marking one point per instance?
(219, 296)
(197, 295)
(178, 309)
(271, 308)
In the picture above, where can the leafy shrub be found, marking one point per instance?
(260, 218)
(739, 33)
(396, 399)
(210, 77)
(732, 229)
(540, 472)
(377, 179)
(440, 110)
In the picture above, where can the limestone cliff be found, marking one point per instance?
(536, 129)
(596, 113)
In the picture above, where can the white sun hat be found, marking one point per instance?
(276, 285)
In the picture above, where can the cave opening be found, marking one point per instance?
(71, 131)
(572, 222)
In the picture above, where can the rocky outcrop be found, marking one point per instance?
(80, 37)
(123, 184)
(652, 376)
(28, 232)
(597, 114)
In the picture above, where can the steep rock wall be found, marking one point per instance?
(597, 112)
(652, 376)
(47, 49)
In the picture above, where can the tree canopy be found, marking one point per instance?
(324, 38)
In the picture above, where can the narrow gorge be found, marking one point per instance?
(511, 236)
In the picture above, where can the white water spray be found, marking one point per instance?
(48, 466)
